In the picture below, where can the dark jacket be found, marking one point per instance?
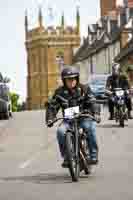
(64, 98)
(120, 81)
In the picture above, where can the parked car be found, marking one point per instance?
(97, 84)
(5, 102)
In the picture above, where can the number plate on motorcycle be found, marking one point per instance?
(120, 93)
(70, 112)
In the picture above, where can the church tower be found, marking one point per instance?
(106, 6)
(46, 46)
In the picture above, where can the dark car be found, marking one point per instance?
(5, 102)
(97, 84)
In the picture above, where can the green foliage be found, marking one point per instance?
(1, 77)
(21, 106)
(4, 79)
(16, 106)
(14, 100)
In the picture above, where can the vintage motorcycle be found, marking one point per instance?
(76, 145)
(118, 96)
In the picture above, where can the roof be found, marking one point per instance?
(105, 38)
(126, 51)
(87, 50)
(80, 52)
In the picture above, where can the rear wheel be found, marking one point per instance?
(71, 157)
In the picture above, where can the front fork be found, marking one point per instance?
(76, 142)
(121, 112)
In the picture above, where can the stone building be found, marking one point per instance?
(46, 47)
(104, 42)
(112, 6)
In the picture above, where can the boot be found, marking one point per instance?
(111, 117)
(93, 160)
(130, 115)
(65, 163)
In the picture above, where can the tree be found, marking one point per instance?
(1, 77)
(4, 79)
(14, 100)
(21, 106)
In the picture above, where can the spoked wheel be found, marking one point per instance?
(84, 165)
(84, 151)
(72, 158)
(122, 124)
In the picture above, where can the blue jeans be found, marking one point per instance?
(90, 128)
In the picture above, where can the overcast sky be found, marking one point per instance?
(12, 35)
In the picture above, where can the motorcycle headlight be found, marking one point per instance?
(121, 102)
(81, 131)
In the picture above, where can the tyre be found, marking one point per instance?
(121, 115)
(6, 115)
(10, 114)
(122, 124)
(70, 153)
(84, 151)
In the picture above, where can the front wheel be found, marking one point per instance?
(121, 116)
(71, 157)
(122, 124)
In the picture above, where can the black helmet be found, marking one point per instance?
(70, 72)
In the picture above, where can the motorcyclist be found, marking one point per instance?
(118, 80)
(130, 75)
(72, 91)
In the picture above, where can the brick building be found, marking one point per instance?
(106, 6)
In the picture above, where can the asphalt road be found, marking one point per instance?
(30, 162)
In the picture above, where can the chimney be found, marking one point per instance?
(90, 39)
(127, 14)
(98, 33)
(119, 20)
(99, 28)
(108, 26)
(127, 33)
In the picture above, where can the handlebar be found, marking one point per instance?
(76, 116)
(108, 92)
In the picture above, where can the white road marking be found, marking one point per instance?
(34, 157)
(27, 163)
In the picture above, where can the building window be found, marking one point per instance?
(60, 60)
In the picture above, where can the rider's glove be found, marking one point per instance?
(49, 123)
